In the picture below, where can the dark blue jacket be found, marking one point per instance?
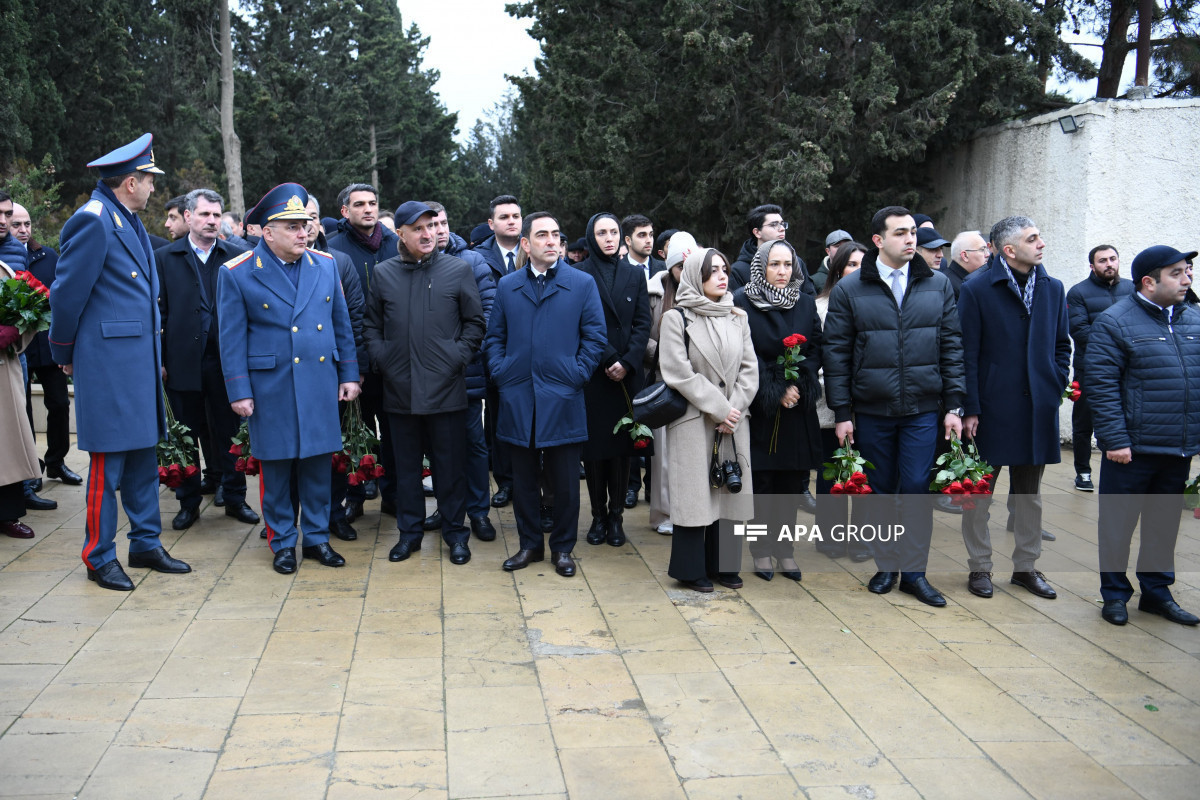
(491, 254)
(42, 264)
(356, 301)
(540, 353)
(486, 283)
(1016, 365)
(1087, 300)
(13, 253)
(1142, 378)
(364, 260)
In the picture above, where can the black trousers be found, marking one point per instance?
(560, 468)
(57, 400)
(371, 405)
(499, 452)
(1081, 435)
(606, 483)
(444, 438)
(12, 501)
(694, 552)
(208, 410)
(775, 482)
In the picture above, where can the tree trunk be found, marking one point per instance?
(1116, 48)
(229, 137)
(374, 160)
(1145, 21)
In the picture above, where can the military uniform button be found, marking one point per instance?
(295, 329)
(322, 359)
(264, 305)
(326, 299)
(319, 327)
(133, 274)
(296, 359)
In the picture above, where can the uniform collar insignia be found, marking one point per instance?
(117, 219)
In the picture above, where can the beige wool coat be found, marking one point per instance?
(18, 454)
(711, 391)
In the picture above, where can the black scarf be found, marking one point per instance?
(606, 266)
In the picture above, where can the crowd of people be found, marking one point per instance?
(518, 356)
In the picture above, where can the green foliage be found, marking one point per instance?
(37, 188)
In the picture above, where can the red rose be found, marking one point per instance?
(967, 484)
(252, 465)
(947, 491)
(174, 471)
(190, 470)
(162, 473)
(859, 479)
(865, 490)
(377, 472)
(236, 450)
(426, 472)
(1075, 395)
(354, 479)
(640, 444)
(955, 487)
(837, 488)
(1074, 384)
(794, 340)
(968, 505)
(240, 465)
(367, 461)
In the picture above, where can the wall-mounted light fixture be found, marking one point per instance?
(1069, 124)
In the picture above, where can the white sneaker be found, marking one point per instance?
(666, 528)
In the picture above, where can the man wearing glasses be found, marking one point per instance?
(287, 352)
(765, 224)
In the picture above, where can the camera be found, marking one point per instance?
(727, 474)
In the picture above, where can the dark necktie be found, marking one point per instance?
(541, 286)
(511, 263)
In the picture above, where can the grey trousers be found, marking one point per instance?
(1025, 490)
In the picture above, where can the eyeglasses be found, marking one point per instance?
(976, 250)
(781, 226)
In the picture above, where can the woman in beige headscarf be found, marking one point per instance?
(716, 370)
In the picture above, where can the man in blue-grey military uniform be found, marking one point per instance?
(287, 345)
(105, 335)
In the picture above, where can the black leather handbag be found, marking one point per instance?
(658, 404)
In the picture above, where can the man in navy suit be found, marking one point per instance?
(187, 300)
(287, 345)
(105, 335)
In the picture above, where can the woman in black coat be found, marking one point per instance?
(785, 437)
(616, 380)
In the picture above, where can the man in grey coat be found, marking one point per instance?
(423, 325)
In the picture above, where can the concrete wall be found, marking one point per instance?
(1128, 178)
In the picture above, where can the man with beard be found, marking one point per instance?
(423, 324)
(187, 301)
(1086, 301)
(638, 232)
(367, 241)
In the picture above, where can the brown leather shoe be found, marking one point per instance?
(563, 564)
(523, 558)
(16, 529)
(1034, 582)
(980, 584)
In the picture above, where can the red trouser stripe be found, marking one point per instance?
(262, 491)
(95, 499)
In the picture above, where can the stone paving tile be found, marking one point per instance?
(427, 680)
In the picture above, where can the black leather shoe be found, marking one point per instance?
(764, 570)
(241, 512)
(944, 504)
(699, 585)
(371, 489)
(1114, 612)
(35, 503)
(483, 529)
(631, 498)
(36, 485)
(434, 521)
(980, 584)
(460, 553)
(354, 510)
(1047, 536)
(730, 580)
(403, 549)
(808, 503)
(343, 530)
(63, 473)
(219, 497)
(285, 561)
(185, 519)
(563, 564)
(501, 497)
(793, 575)
(920, 588)
(523, 558)
(324, 554)
(616, 530)
(546, 518)
(159, 560)
(208, 485)
(598, 532)
(883, 582)
(111, 576)
(1034, 582)
(1169, 610)
(387, 507)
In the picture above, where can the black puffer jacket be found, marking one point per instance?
(1087, 300)
(1142, 378)
(881, 362)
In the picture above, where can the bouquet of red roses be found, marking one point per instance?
(24, 304)
(963, 474)
(359, 443)
(176, 453)
(1072, 392)
(846, 471)
(641, 434)
(245, 463)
